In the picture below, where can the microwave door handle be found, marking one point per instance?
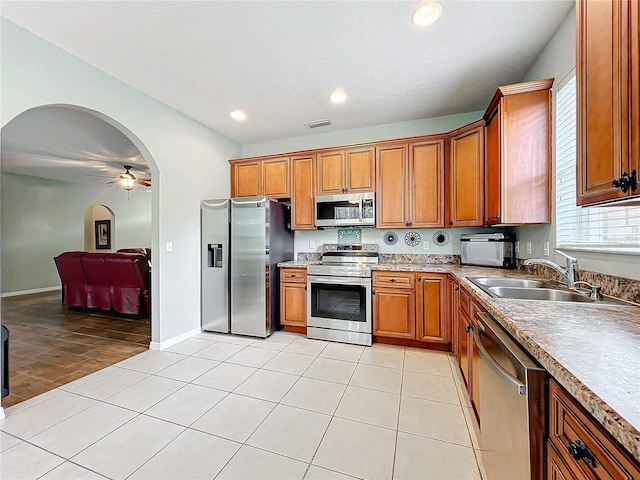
(360, 208)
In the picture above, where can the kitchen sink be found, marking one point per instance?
(514, 282)
(539, 294)
(532, 289)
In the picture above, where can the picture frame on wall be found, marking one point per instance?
(103, 234)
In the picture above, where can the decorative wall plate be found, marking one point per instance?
(441, 238)
(390, 238)
(412, 239)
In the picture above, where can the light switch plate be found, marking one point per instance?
(425, 245)
(169, 247)
(545, 249)
(312, 245)
(528, 247)
(517, 246)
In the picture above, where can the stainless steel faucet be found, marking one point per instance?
(568, 274)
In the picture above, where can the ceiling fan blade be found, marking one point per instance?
(103, 176)
(145, 179)
(140, 182)
(113, 181)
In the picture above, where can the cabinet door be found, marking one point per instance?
(426, 184)
(602, 106)
(463, 338)
(493, 171)
(391, 200)
(453, 290)
(466, 180)
(360, 170)
(556, 468)
(432, 320)
(330, 173)
(302, 204)
(246, 179)
(474, 368)
(394, 313)
(634, 103)
(293, 304)
(275, 178)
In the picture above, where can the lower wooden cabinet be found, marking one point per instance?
(293, 297)
(410, 306)
(583, 449)
(432, 319)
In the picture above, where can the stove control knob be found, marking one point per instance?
(333, 247)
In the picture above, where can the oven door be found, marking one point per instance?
(339, 303)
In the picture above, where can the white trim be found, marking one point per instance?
(2, 416)
(174, 340)
(29, 292)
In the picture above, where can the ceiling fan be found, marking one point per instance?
(127, 180)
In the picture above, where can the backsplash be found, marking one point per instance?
(619, 287)
(393, 258)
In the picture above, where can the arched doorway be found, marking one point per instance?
(100, 145)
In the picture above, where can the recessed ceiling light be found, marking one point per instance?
(426, 14)
(238, 115)
(338, 96)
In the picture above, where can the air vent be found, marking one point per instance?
(318, 123)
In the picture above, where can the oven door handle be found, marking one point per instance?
(365, 282)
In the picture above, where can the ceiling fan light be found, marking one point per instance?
(127, 181)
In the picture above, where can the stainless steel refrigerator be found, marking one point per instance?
(242, 241)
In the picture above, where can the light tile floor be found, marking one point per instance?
(227, 407)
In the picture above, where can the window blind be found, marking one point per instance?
(614, 229)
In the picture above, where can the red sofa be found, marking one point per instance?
(118, 281)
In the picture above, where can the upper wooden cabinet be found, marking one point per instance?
(410, 190)
(518, 154)
(466, 176)
(345, 171)
(268, 176)
(302, 185)
(608, 82)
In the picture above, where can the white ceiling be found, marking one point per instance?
(279, 60)
(65, 144)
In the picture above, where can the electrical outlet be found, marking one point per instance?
(528, 247)
(312, 245)
(425, 245)
(517, 246)
(169, 247)
(545, 249)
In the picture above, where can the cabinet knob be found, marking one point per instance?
(451, 223)
(373, 291)
(408, 223)
(467, 328)
(626, 181)
(498, 217)
(305, 287)
(579, 451)
(293, 275)
(419, 278)
(456, 288)
(393, 280)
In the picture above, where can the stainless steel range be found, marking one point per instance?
(339, 294)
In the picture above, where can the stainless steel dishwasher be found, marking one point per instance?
(512, 405)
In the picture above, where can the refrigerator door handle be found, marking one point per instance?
(209, 203)
(239, 201)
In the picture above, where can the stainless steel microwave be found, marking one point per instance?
(350, 210)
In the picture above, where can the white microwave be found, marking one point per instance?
(349, 210)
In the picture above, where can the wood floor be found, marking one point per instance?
(51, 344)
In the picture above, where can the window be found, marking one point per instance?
(611, 229)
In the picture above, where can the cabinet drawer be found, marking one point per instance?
(293, 275)
(571, 427)
(393, 279)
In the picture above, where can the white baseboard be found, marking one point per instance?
(174, 340)
(29, 292)
(2, 413)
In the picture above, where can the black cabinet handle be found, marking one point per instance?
(451, 223)
(393, 280)
(305, 287)
(373, 292)
(467, 328)
(419, 278)
(456, 288)
(498, 217)
(626, 181)
(579, 451)
(293, 275)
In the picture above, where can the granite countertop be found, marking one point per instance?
(592, 350)
(299, 263)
